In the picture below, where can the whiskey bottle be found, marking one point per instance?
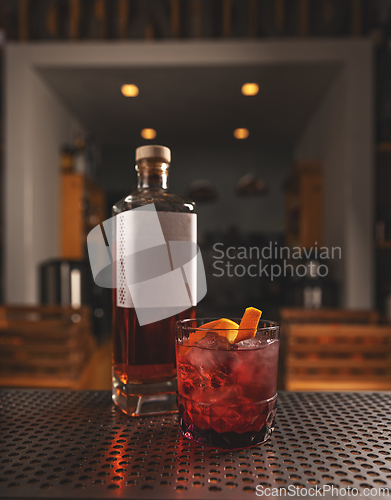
(143, 366)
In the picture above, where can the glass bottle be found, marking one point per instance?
(143, 366)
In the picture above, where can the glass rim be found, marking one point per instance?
(271, 325)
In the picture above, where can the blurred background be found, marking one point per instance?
(300, 156)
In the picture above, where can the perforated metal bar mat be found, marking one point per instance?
(77, 445)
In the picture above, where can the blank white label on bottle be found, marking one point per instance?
(156, 259)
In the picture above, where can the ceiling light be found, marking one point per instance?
(148, 133)
(250, 89)
(130, 90)
(241, 133)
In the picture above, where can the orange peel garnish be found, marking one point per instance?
(227, 328)
(211, 324)
(223, 327)
(249, 324)
(194, 337)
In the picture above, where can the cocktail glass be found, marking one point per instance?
(227, 393)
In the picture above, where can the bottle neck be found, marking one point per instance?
(152, 174)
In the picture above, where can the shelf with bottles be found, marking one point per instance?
(304, 205)
(83, 201)
(82, 208)
(81, 156)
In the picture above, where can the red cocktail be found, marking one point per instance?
(226, 391)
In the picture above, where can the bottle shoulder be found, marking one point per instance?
(164, 201)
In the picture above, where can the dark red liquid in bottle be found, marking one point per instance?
(144, 369)
(144, 354)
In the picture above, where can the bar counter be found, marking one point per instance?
(76, 444)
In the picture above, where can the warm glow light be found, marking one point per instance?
(250, 89)
(148, 133)
(130, 90)
(241, 133)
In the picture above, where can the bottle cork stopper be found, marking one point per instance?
(153, 151)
